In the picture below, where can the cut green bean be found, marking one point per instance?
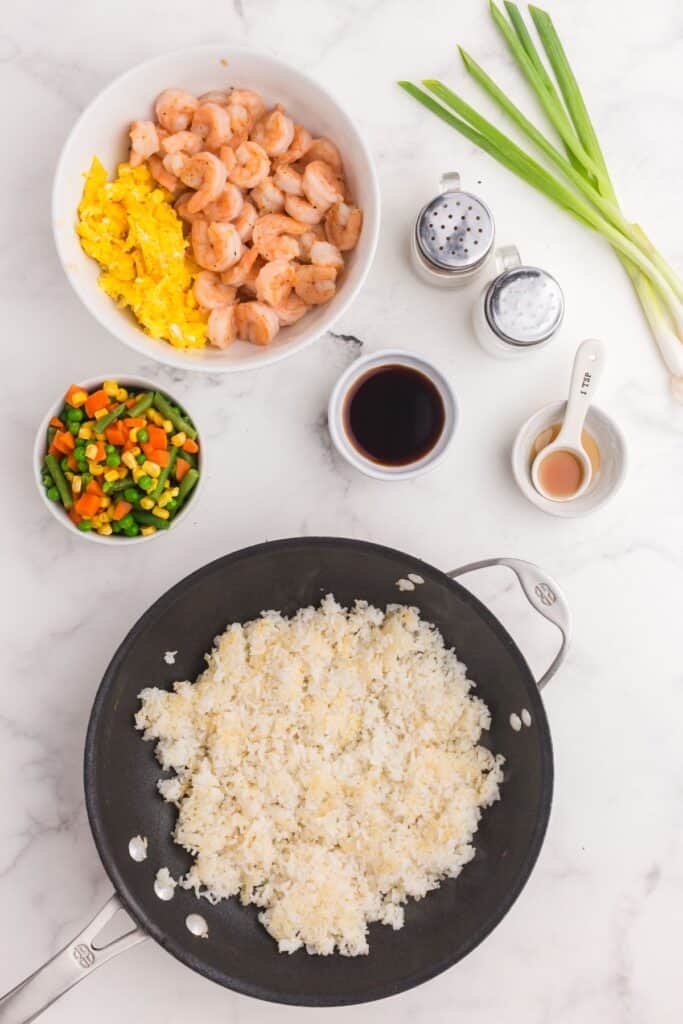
(186, 485)
(142, 405)
(165, 473)
(106, 421)
(168, 412)
(51, 431)
(60, 481)
(147, 519)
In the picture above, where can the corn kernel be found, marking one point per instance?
(97, 520)
(101, 413)
(121, 395)
(151, 468)
(147, 503)
(78, 398)
(68, 476)
(105, 530)
(133, 435)
(136, 449)
(162, 513)
(164, 499)
(147, 531)
(110, 387)
(91, 451)
(122, 472)
(77, 484)
(128, 459)
(167, 425)
(95, 469)
(179, 439)
(175, 491)
(137, 471)
(85, 433)
(111, 475)
(155, 417)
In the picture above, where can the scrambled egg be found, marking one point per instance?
(130, 227)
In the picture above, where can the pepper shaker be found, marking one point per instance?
(453, 236)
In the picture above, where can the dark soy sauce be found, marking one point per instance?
(394, 415)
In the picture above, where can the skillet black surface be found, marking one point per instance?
(121, 773)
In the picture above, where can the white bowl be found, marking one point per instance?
(56, 508)
(102, 130)
(335, 414)
(604, 484)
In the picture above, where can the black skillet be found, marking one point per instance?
(121, 773)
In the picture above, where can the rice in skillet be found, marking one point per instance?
(327, 768)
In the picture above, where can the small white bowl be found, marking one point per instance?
(335, 414)
(102, 130)
(56, 508)
(609, 439)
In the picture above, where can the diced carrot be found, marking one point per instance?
(120, 510)
(94, 488)
(157, 437)
(53, 450)
(56, 422)
(97, 400)
(115, 435)
(74, 396)
(87, 505)
(134, 421)
(73, 465)
(64, 442)
(130, 403)
(74, 516)
(191, 446)
(181, 468)
(160, 456)
(100, 452)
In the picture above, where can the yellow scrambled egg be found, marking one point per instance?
(130, 227)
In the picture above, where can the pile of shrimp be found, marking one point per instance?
(265, 204)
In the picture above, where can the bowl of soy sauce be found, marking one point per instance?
(392, 415)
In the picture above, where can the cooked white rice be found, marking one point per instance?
(327, 767)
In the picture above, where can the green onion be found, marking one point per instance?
(589, 195)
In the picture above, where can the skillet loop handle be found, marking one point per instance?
(76, 961)
(542, 593)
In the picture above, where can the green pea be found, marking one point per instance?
(171, 505)
(113, 460)
(64, 464)
(79, 452)
(76, 415)
(106, 486)
(126, 521)
(132, 530)
(53, 494)
(73, 428)
(47, 480)
(141, 458)
(143, 435)
(111, 449)
(87, 477)
(115, 528)
(85, 525)
(145, 482)
(82, 465)
(131, 494)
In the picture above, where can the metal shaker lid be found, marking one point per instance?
(455, 230)
(524, 306)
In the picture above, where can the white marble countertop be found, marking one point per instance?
(596, 933)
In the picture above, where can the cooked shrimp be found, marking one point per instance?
(288, 180)
(211, 123)
(182, 142)
(222, 326)
(274, 132)
(273, 236)
(298, 147)
(268, 197)
(275, 281)
(215, 246)
(323, 149)
(144, 142)
(175, 163)
(205, 173)
(228, 205)
(214, 96)
(181, 209)
(240, 123)
(256, 323)
(315, 285)
(174, 109)
(239, 273)
(290, 309)
(226, 154)
(342, 226)
(210, 292)
(251, 167)
(248, 289)
(316, 233)
(324, 254)
(250, 100)
(302, 211)
(322, 185)
(245, 221)
(160, 174)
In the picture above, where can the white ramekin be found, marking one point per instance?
(335, 414)
(40, 448)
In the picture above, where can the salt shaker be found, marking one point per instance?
(519, 310)
(453, 236)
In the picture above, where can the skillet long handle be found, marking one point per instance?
(76, 961)
(542, 593)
